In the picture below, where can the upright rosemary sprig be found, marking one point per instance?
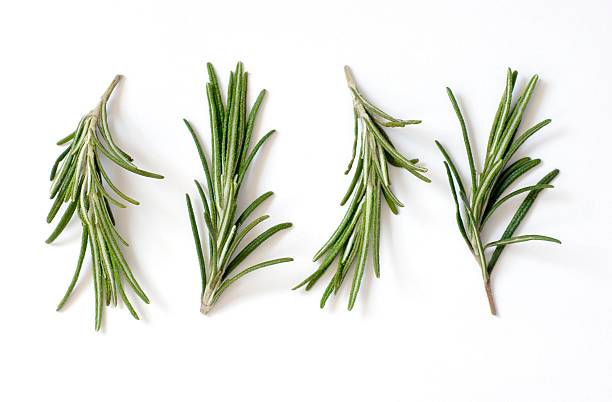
(359, 230)
(231, 130)
(78, 179)
(489, 184)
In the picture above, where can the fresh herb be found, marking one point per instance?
(359, 230)
(488, 186)
(78, 178)
(231, 131)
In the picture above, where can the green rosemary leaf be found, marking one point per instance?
(509, 176)
(329, 289)
(519, 216)
(505, 96)
(113, 187)
(210, 212)
(66, 139)
(108, 223)
(77, 271)
(253, 245)
(460, 224)
(524, 137)
(400, 123)
(97, 280)
(250, 269)
(105, 194)
(248, 161)
(466, 139)
(348, 217)
(348, 257)
(331, 251)
(453, 169)
(496, 176)
(356, 178)
(124, 297)
(515, 118)
(403, 161)
(196, 240)
(376, 232)
(358, 233)
(500, 118)
(62, 223)
(389, 196)
(212, 77)
(125, 268)
(355, 140)
(511, 195)
(363, 254)
(231, 247)
(485, 187)
(57, 162)
(252, 207)
(78, 178)
(105, 130)
(231, 128)
(251, 124)
(392, 205)
(203, 160)
(127, 167)
(520, 239)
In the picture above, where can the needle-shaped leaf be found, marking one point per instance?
(351, 212)
(197, 241)
(248, 161)
(75, 277)
(252, 207)
(524, 137)
(511, 195)
(254, 244)
(460, 224)
(466, 139)
(201, 154)
(248, 270)
(356, 178)
(453, 169)
(355, 141)
(518, 217)
(509, 176)
(62, 223)
(520, 239)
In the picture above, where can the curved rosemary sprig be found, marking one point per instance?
(489, 185)
(231, 130)
(78, 179)
(359, 230)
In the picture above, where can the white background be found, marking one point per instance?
(422, 332)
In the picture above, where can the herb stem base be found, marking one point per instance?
(489, 293)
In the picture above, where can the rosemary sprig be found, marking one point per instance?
(231, 131)
(488, 185)
(359, 230)
(78, 179)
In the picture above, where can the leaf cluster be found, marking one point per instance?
(358, 233)
(231, 127)
(79, 179)
(475, 205)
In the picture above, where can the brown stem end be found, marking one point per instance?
(487, 286)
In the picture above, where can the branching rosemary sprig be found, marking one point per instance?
(359, 230)
(231, 131)
(78, 179)
(488, 185)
